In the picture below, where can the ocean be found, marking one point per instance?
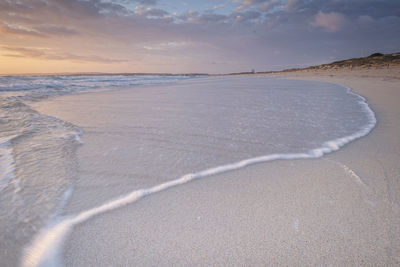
(134, 137)
(37, 152)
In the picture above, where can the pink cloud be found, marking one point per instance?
(330, 21)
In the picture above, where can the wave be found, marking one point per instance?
(45, 249)
(36, 165)
(82, 82)
(37, 152)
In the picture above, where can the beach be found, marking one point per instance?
(341, 209)
(199, 133)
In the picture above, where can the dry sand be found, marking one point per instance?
(342, 209)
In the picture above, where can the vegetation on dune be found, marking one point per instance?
(372, 61)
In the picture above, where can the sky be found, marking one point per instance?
(182, 36)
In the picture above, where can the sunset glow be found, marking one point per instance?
(45, 36)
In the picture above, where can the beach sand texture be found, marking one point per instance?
(342, 209)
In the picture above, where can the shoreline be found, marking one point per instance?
(258, 171)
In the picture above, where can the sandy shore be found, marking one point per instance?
(342, 209)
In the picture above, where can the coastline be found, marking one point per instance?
(374, 158)
(284, 212)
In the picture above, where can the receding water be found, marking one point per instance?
(37, 152)
(147, 136)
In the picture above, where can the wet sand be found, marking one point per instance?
(342, 209)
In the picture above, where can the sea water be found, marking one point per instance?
(37, 152)
(160, 136)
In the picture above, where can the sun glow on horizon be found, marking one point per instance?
(160, 36)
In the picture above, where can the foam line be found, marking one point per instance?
(47, 245)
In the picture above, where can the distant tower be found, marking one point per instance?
(253, 71)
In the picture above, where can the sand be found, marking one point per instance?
(342, 209)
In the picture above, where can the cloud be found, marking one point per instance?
(267, 6)
(249, 3)
(365, 21)
(215, 7)
(107, 31)
(213, 17)
(56, 30)
(24, 52)
(145, 2)
(245, 16)
(128, 3)
(292, 5)
(48, 53)
(261, 5)
(166, 46)
(18, 30)
(353, 9)
(150, 12)
(148, 2)
(330, 21)
(195, 17)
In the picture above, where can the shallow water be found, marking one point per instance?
(37, 152)
(147, 136)
(153, 135)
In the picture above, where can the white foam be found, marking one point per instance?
(45, 84)
(47, 245)
(77, 137)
